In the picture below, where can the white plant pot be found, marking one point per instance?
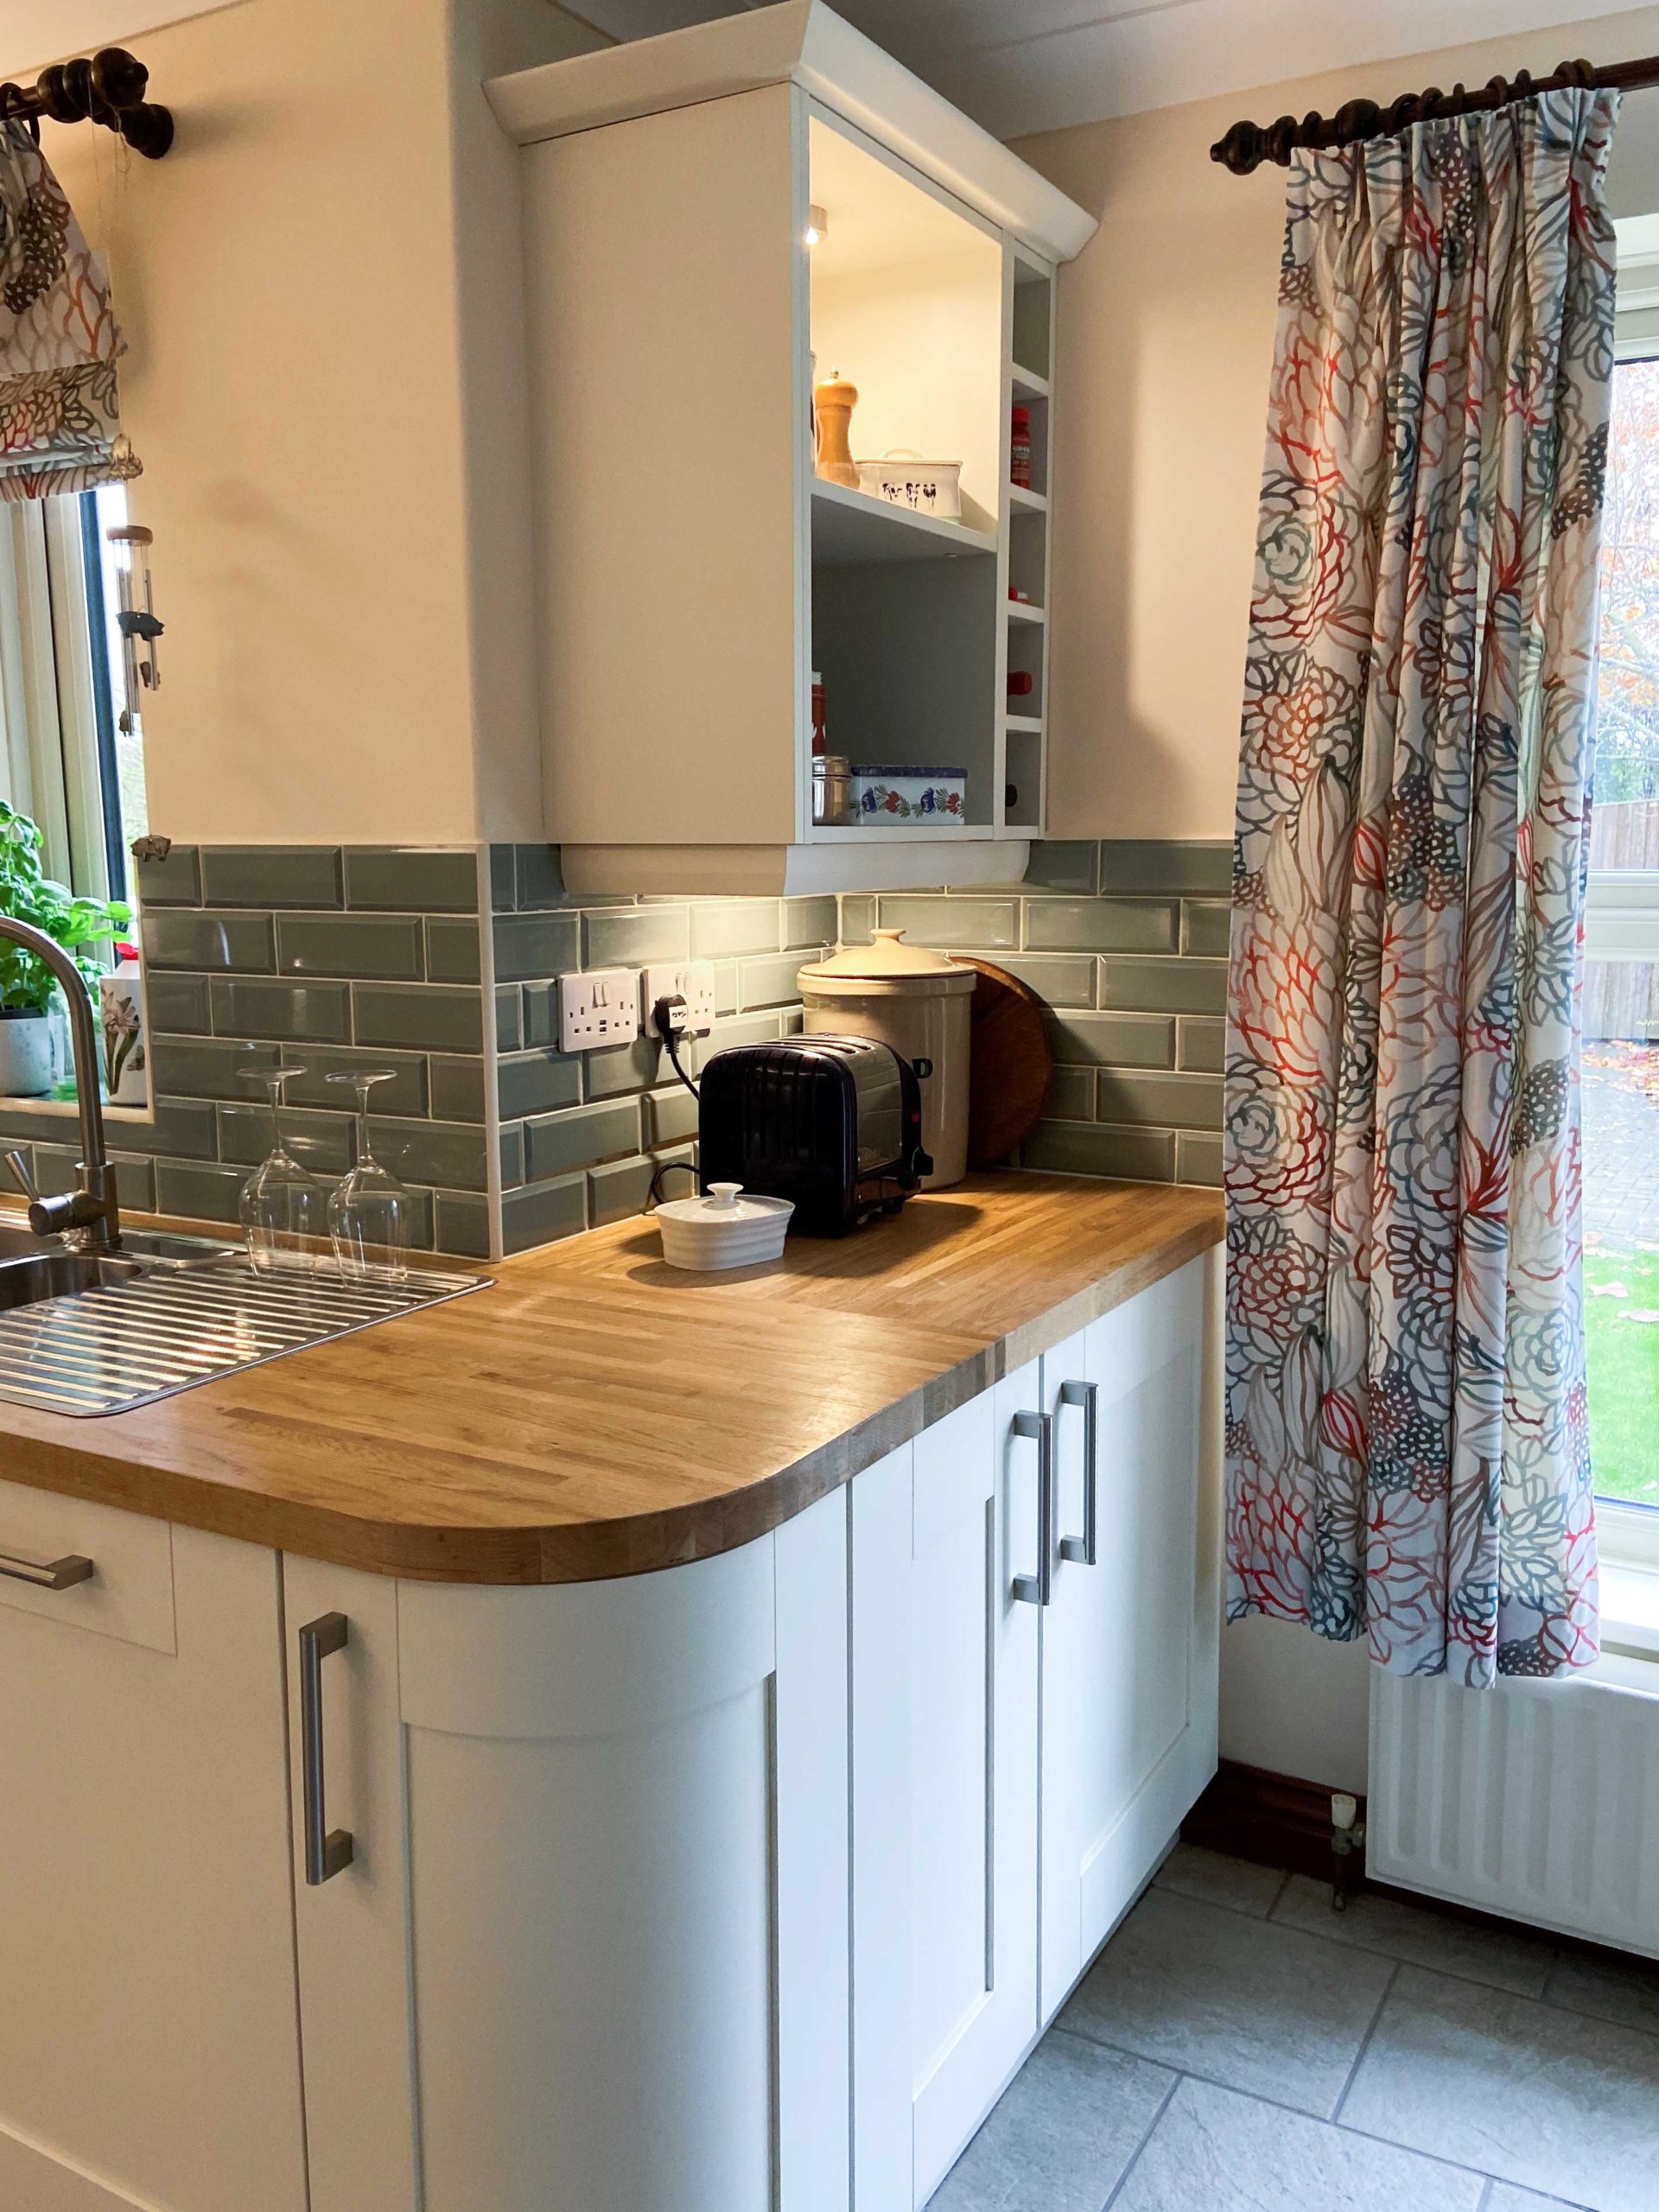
(25, 1055)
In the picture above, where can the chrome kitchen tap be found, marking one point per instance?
(87, 1215)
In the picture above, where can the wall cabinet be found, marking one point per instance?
(744, 1887)
(693, 570)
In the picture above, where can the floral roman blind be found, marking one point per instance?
(60, 424)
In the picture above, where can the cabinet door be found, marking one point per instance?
(944, 1790)
(1129, 1642)
(356, 2020)
(590, 1948)
(147, 2031)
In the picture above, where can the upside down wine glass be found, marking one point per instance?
(282, 1204)
(369, 1214)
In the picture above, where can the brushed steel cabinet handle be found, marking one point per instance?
(47, 1574)
(326, 1852)
(1037, 1589)
(1085, 1549)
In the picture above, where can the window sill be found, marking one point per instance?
(1630, 1609)
(66, 1109)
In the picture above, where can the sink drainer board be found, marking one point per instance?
(106, 1351)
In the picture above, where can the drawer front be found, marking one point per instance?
(129, 1594)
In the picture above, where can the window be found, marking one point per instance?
(1621, 989)
(64, 758)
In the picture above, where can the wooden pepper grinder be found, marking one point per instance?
(834, 402)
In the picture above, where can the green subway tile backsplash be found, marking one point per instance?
(319, 1012)
(1197, 868)
(336, 959)
(986, 925)
(412, 881)
(271, 875)
(436, 1017)
(318, 959)
(181, 937)
(1127, 1040)
(351, 945)
(1101, 925)
(723, 926)
(1206, 924)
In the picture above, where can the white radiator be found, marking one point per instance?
(1537, 1800)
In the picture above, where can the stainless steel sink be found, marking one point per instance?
(26, 1281)
(88, 1333)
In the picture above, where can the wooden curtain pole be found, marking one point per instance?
(107, 89)
(1247, 145)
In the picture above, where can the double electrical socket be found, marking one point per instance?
(693, 981)
(600, 1009)
(611, 1005)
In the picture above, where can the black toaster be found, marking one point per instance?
(834, 1124)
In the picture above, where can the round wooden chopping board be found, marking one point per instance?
(1011, 1065)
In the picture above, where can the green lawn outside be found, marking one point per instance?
(1623, 1367)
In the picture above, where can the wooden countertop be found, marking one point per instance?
(595, 1412)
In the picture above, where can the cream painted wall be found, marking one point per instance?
(337, 542)
(1166, 340)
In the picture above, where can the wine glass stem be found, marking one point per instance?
(364, 1150)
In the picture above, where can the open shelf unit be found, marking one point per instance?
(693, 570)
(1024, 763)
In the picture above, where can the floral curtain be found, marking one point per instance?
(60, 427)
(1406, 1447)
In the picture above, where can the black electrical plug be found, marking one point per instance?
(671, 1020)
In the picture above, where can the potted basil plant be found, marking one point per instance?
(27, 988)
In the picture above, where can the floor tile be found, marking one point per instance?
(1068, 2125)
(1549, 2100)
(1505, 2197)
(1215, 2150)
(1241, 2001)
(1220, 1880)
(1609, 1987)
(1504, 1958)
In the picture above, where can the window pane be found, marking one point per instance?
(125, 747)
(1621, 989)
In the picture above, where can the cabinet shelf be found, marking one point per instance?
(1024, 725)
(1027, 385)
(852, 528)
(1020, 610)
(1027, 502)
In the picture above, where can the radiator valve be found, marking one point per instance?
(1347, 1848)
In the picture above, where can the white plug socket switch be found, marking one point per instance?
(598, 1009)
(692, 981)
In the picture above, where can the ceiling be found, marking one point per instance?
(1019, 66)
(35, 32)
(1022, 66)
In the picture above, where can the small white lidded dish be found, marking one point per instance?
(727, 1228)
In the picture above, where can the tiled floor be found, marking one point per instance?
(1239, 2047)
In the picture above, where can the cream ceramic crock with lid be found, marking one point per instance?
(917, 1001)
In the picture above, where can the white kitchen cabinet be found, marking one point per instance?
(149, 2046)
(589, 1949)
(960, 1794)
(1130, 1638)
(742, 1886)
(693, 570)
(944, 1787)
